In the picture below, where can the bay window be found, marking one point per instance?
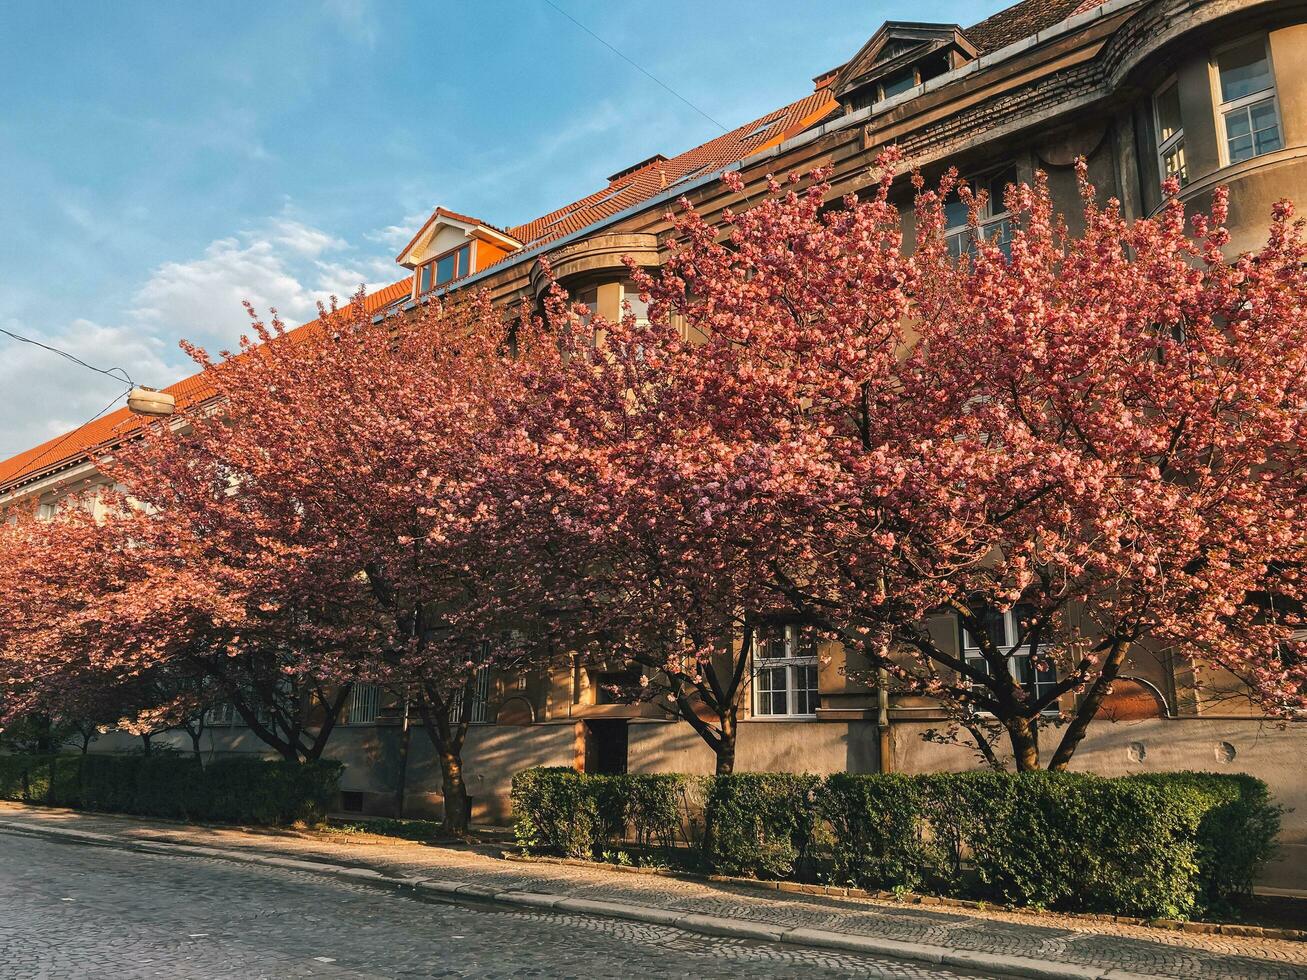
(1249, 114)
(785, 672)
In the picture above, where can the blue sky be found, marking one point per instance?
(161, 162)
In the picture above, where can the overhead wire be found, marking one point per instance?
(122, 374)
(637, 66)
(31, 464)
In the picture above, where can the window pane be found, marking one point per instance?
(771, 643)
(444, 269)
(1238, 135)
(805, 641)
(805, 690)
(955, 213)
(464, 254)
(1237, 124)
(1168, 113)
(997, 185)
(995, 626)
(1266, 131)
(1173, 164)
(898, 83)
(424, 283)
(639, 308)
(1244, 70)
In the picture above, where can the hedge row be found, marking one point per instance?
(561, 811)
(233, 790)
(1170, 845)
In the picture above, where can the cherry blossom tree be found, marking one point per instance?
(1100, 434)
(352, 479)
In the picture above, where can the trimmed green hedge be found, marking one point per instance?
(564, 812)
(759, 824)
(1170, 845)
(1236, 831)
(232, 790)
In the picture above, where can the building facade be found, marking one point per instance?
(1213, 92)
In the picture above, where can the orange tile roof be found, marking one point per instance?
(107, 431)
(657, 175)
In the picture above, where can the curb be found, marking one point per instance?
(709, 925)
(859, 894)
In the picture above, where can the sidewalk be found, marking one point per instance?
(989, 942)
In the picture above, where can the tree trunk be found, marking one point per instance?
(146, 739)
(1025, 744)
(457, 805)
(1089, 705)
(725, 747)
(447, 736)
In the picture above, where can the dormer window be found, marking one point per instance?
(443, 269)
(895, 84)
(898, 58)
(451, 246)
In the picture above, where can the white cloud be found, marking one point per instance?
(50, 396)
(396, 236)
(299, 237)
(201, 300)
(281, 263)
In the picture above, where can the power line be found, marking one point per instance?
(122, 373)
(638, 67)
(31, 464)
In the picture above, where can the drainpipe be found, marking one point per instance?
(405, 730)
(882, 719)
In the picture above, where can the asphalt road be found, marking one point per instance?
(80, 911)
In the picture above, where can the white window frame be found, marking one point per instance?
(1173, 143)
(971, 653)
(989, 219)
(791, 663)
(1246, 102)
(223, 714)
(364, 704)
(480, 699)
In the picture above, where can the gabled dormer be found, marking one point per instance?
(899, 57)
(450, 246)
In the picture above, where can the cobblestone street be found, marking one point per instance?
(222, 901)
(77, 911)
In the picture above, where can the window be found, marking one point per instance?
(222, 714)
(1250, 118)
(639, 308)
(994, 221)
(1170, 133)
(900, 82)
(364, 704)
(444, 269)
(785, 672)
(480, 699)
(1002, 628)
